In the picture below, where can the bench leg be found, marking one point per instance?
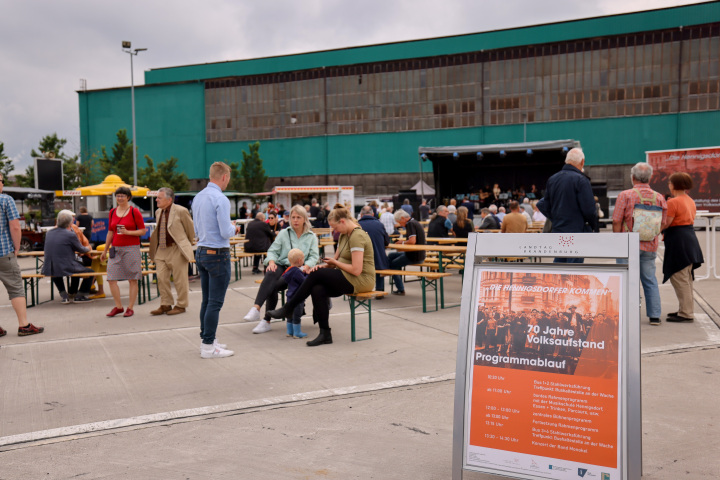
(431, 285)
(365, 305)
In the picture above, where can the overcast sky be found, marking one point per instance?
(47, 46)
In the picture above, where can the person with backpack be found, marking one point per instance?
(643, 210)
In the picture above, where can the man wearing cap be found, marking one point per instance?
(285, 220)
(10, 276)
(171, 250)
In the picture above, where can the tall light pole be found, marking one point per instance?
(127, 49)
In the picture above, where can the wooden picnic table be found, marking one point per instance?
(446, 240)
(460, 250)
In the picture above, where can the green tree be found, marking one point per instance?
(252, 170)
(162, 176)
(121, 161)
(28, 179)
(6, 164)
(237, 183)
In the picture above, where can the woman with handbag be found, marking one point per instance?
(125, 228)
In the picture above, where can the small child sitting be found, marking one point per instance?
(294, 277)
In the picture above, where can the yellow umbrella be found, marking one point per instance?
(107, 187)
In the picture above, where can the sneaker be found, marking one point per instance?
(2, 332)
(29, 329)
(215, 344)
(253, 315)
(213, 351)
(82, 299)
(128, 313)
(398, 292)
(65, 299)
(678, 319)
(262, 327)
(655, 321)
(114, 312)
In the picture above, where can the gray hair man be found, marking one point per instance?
(569, 201)
(414, 235)
(171, 249)
(623, 221)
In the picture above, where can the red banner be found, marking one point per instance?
(703, 165)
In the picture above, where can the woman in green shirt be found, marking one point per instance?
(351, 270)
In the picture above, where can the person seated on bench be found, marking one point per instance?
(440, 225)
(61, 243)
(351, 271)
(259, 236)
(414, 235)
(299, 235)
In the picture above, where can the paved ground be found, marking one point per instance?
(130, 398)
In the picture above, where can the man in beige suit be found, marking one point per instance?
(171, 250)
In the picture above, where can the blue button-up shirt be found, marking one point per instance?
(8, 212)
(211, 217)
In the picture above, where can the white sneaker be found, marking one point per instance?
(215, 344)
(262, 327)
(213, 351)
(253, 315)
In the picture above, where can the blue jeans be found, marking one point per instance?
(653, 306)
(214, 272)
(397, 261)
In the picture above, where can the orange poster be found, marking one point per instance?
(545, 383)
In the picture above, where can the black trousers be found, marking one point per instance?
(270, 287)
(73, 284)
(321, 285)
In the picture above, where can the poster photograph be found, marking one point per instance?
(544, 381)
(700, 163)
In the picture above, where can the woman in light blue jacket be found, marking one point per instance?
(299, 235)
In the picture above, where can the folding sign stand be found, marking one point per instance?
(547, 384)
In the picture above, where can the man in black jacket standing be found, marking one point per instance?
(569, 202)
(258, 237)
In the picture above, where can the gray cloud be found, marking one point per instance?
(49, 45)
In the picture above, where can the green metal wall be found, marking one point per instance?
(170, 121)
(556, 32)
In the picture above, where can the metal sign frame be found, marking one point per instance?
(623, 246)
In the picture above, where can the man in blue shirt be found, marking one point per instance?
(10, 276)
(380, 240)
(211, 216)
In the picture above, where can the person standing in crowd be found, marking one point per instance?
(407, 207)
(569, 202)
(623, 221)
(351, 270)
(424, 210)
(470, 208)
(10, 275)
(171, 250)
(259, 236)
(414, 235)
(514, 222)
(489, 222)
(463, 227)
(125, 228)
(388, 220)
(61, 244)
(314, 208)
(682, 251)
(440, 225)
(85, 221)
(380, 240)
(299, 235)
(213, 229)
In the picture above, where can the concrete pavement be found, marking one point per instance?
(94, 397)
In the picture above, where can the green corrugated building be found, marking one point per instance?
(620, 85)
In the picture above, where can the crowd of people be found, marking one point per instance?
(284, 238)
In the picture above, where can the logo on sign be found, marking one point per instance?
(566, 241)
(605, 476)
(582, 472)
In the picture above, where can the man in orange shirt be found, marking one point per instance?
(514, 222)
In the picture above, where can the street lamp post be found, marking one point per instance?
(127, 49)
